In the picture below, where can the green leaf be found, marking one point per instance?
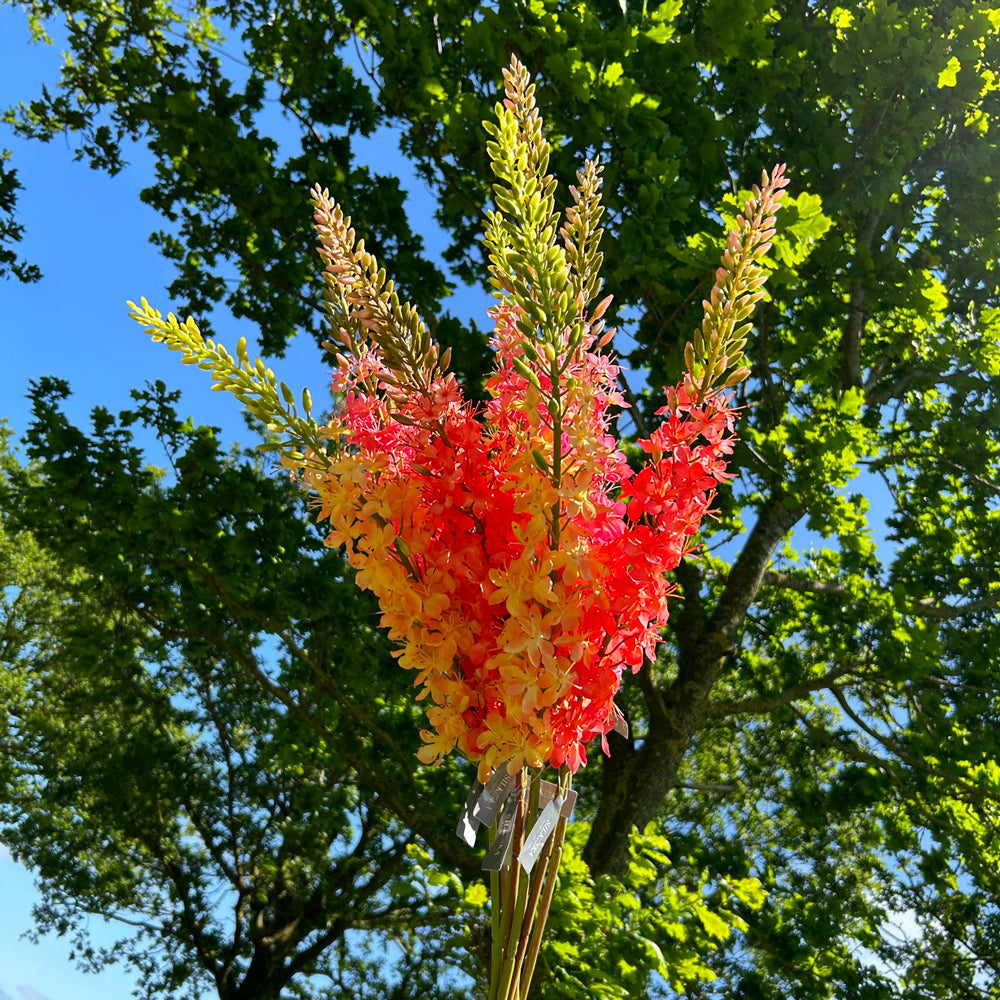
(948, 77)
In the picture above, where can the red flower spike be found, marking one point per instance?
(517, 647)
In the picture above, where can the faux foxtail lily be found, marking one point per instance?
(520, 563)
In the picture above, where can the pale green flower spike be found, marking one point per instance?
(252, 383)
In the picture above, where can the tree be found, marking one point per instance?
(151, 781)
(820, 713)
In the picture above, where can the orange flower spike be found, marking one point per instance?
(525, 535)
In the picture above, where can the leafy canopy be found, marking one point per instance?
(822, 715)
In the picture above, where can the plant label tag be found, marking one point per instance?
(547, 792)
(499, 853)
(493, 796)
(540, 833)
(621, 726)
(467, 825)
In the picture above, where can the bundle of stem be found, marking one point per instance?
(520, 900)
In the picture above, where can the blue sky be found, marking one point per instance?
(89, 234)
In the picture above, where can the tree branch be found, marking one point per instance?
(857, 314)
(768, 703)
(926, 607)
(643, 782)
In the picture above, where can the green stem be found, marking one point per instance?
(532, 889)
(530, 930)
(553, 856)
(500, 896)
(556, 466)
(496, 941)
(517, 911)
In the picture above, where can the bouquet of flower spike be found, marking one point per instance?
(520, 563)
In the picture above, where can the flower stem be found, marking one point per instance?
(496, 940)
(549, 869)
(528, 808)
(521, 901)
